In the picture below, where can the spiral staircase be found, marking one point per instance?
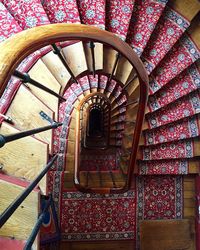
(121, 160)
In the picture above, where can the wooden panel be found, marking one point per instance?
(75, 58)
(70, 163)
(73, 122)
(23, 158)
(194, 30)
(124, 70)
(189, 197)
(21, 223)
(94, 179)
(187, 8)
(28, 117)
(40, 73)
(109, 245)
(58, 70)
(70, 148)
(108, 59)
(71, 135)
(98, 53)
(194, 167)
(98, 50)
(166, 235)
(68, 181)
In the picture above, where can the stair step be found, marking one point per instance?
(93, 82)
(97, 11)
(25, 111)
(181, 85)
(177, 166)
(102, 83)
(26, 214)
(182, 129)
(12, 27)
(75, 57)
(184, 107)
(57, 69)
(26, 11)
(115, 12)
(54, 8)
(166, 70)
(169, 18)
(139, 22)
(23, 158)
(85, 85)
(40, 73)
(106, 181)
(172, 150)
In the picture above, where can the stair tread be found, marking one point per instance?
(181, 85)
(20, 158)
(25, 215)
(26, 11)
(68, 15)
(138, 23)
(117, 11)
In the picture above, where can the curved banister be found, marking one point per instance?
(16, 48)
(19, 46)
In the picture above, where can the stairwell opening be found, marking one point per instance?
(95, 123)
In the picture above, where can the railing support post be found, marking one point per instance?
(92, 46)
(37, 226)
(58, 53)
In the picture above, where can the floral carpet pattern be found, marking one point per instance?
(186, 106)
(159, 197)
(163, 38)
(182, 129)
(172, 167)
(181, 56)
(92, 12)
(173, 150)
(57, 11)
(98, 217)
(118, 15)
(98, 162)
(186, 82)
(139, 32)
(28, 14)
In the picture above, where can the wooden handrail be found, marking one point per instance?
(19, 46)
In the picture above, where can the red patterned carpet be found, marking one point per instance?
(98, 217)
(163, 39)
(94, 160)
(159, 197)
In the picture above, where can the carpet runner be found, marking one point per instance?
(94, 160)
(181, 56)
(98, 217)
(186, 82)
